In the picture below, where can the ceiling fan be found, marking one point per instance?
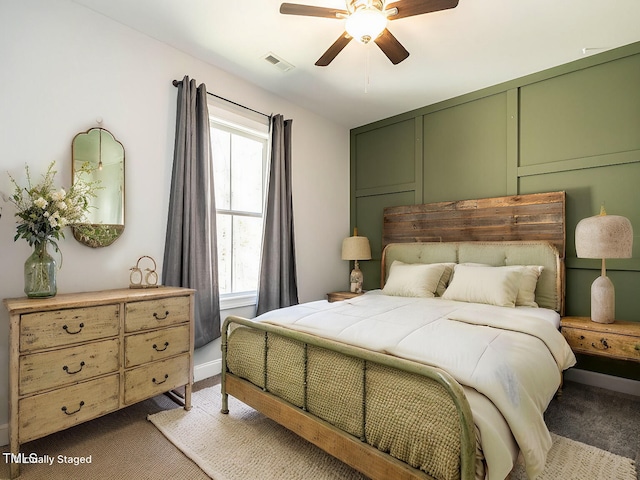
(366, 20)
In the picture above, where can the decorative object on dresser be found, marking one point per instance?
(43, 211)
(356, 248)
(79, 356)
(619, 340)
(337, 296)
(604, 236)
(138, 280)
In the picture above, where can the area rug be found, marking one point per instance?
(571, 460)
(245, 445)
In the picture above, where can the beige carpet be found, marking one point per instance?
(123, 446)
(244, 445)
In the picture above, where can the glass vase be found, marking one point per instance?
(40, 273)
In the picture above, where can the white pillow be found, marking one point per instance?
(413, 279)
(527, 290)
(490, 285)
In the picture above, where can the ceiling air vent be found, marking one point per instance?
(277, 62)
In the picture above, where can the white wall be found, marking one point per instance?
(62, 67)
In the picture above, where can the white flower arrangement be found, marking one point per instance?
(43, 210)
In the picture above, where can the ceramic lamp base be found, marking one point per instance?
(603, 300)
(355, 279)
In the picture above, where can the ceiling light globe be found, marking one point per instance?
(366, 24)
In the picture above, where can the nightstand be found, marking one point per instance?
(337, 296)
(619, 340)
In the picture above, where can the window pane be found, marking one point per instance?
(246, 174)
(224, 235)
(247, 237)
(238, 169)
(221, 152)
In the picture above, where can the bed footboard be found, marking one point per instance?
(382, 415)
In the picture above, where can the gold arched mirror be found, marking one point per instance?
(98, 157)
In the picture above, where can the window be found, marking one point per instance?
(239, 151)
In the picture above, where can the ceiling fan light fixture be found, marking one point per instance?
(366, 20)
(366, 24)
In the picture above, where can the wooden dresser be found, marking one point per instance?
(619, 340)
(75, 357)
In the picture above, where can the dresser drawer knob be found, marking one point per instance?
(603, 342)
(158, 317)
(64, 409)
(166, 376)
(66, 369)
(637, 347)
(155, 347)
(66, 329)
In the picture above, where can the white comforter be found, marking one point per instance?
(511, 356)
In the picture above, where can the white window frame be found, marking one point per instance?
(236, 120)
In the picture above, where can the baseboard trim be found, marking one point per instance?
(206, 370)
(601, 380)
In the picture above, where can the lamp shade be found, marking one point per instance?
(604, 236)
(356, 248)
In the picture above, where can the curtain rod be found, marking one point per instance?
(178, 82)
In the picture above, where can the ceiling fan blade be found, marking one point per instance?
(309, 11)
(334, 50)
(409, 8)
(391, 47)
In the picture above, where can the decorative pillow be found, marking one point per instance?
(445, 278)
(490, 285)
(413, 279)
(528, 282)
(527, 289)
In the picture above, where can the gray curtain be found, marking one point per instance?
(277, 285)
(190, 252)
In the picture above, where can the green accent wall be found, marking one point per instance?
(470, 138)
(575, 128)
(385, 157)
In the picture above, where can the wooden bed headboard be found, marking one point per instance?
(537, 216)
(532, 218)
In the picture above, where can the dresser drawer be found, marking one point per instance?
(603, 343)
(162, 312)
(66, 327)
(155, 345)
(155, 378)
(50, 412)
(42, 371)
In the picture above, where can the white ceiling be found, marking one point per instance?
(475, 45)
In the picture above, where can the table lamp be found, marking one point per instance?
(603, 236)
(356, 248)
